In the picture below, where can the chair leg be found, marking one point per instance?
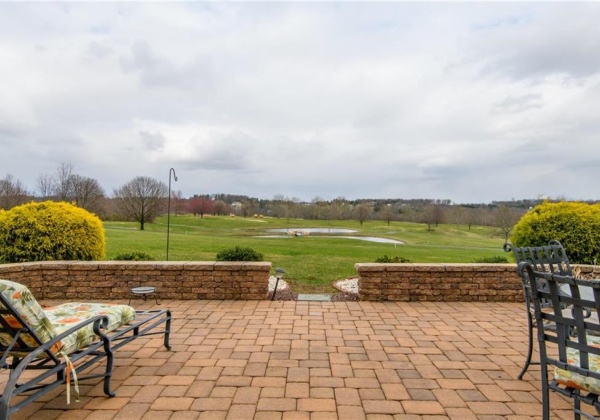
(109, 367)
(530, 343)
(576, 406)
(167, 330)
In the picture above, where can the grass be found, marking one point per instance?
(311, 262)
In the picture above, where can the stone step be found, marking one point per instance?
(314, 297)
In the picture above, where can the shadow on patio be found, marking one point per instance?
(314, 360)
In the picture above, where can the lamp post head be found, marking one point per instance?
(172, 170)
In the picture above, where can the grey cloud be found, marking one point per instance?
(232, 151)
(552, 40)
(153, 141)
(158, 70)
(516, 104)
(98, 50)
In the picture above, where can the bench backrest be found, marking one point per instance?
(23, 324)
(550, 258)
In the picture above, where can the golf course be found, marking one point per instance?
(312, 261)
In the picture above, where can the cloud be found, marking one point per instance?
(515, 104)
(152, 141)
(362, 99)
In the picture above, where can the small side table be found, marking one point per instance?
(144, 291)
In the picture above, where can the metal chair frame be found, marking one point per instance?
(554, 333)
(53, 368)
(551, 258)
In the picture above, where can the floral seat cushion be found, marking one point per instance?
(67, 315)
(49, 323)
(576, 380)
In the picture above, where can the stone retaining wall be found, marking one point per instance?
(101, 280)
(439, 282)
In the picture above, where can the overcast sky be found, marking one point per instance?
(471, 102)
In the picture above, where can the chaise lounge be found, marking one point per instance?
(63, 341)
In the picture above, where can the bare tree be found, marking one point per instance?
(63, 182)
(45, 186)
(86, 193)
(433, 214)
(387, 213)
(221, 208)
(179, 203)
(362, 213)
(506, 218)
(142, 199)
(66, 185)
(12, 192)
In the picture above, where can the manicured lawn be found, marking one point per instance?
(311, 262)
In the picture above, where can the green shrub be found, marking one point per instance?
(133, 256)
(391, 260)
(50, 231)
(576, 225)
(239, 253)
(496, 259)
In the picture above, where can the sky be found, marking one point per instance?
(468, 101)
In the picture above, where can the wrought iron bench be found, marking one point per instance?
(63, 340)
(575, 357)
(551, 258)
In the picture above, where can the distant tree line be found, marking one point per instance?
(142, 199)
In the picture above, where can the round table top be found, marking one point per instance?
(143, 289)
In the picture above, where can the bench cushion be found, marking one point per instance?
(576, 380)
(67, 315)
(50, 322)
(30, 310)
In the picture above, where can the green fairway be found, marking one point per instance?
(312, 262)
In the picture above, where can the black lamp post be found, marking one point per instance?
(279, 272)
(171, 171)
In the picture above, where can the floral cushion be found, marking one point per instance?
(30, 310)
(68, 315)
(576, 380)
(49, 323)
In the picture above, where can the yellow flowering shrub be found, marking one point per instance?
(50, 231)
(575, 224)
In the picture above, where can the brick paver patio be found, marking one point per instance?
(320, 360)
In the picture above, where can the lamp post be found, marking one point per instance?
(171, 171)
(279, 272)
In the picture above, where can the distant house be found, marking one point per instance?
(236, 207)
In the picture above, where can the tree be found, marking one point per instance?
(63, 185)
(387, 213)
(362, 213)
(506, 218)
(66, 185)
(178, 203)
(221, 208)
(201, 205)
(45, 186)
(87, 193)
(433, 214)
(142, 199)
(12, 192)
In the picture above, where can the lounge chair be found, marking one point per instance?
(63, 341)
